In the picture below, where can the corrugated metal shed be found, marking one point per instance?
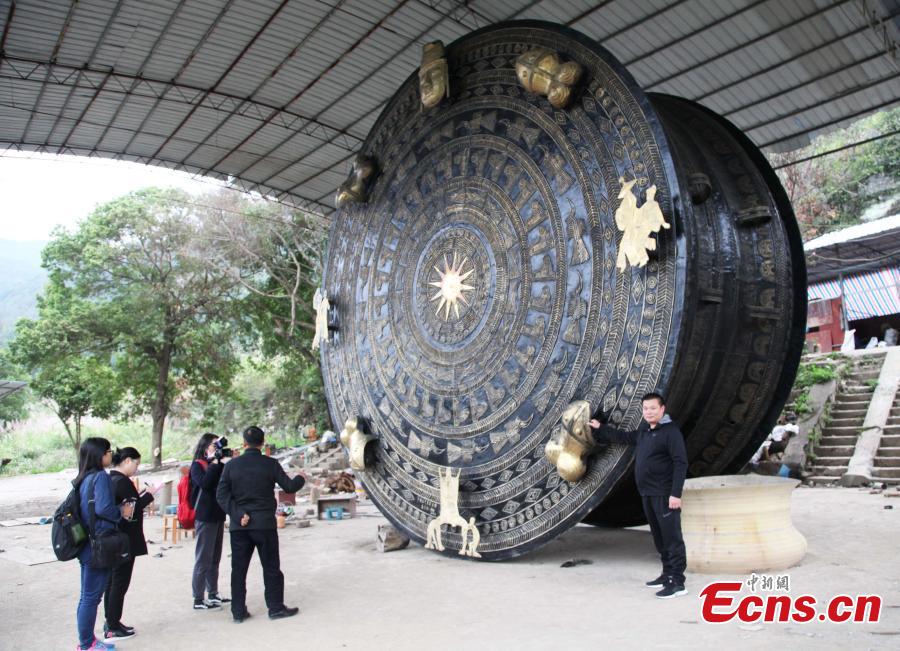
(864, 247)
(277, 95)
(8, 387)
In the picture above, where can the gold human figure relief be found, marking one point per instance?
(451, 287)
(355, 440)
(321, 306)
(571, 442)
(356, 187)
(434, 77)
(636, 224)
(449, 515)
(541, 71)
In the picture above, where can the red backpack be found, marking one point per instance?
(187, 511)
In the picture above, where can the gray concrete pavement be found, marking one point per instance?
(352, 597)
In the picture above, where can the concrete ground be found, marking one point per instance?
(352, 597)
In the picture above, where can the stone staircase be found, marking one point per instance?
(887, 459)
(838, 439)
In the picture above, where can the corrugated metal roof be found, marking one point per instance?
(872, 245)
(279, 94)
(8, 387)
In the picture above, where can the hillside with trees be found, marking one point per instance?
(21, 280)
(834, 182)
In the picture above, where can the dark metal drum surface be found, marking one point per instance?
(516, 200)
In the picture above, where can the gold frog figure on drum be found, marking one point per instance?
(541, 71)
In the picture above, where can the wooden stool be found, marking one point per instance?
(170, 523)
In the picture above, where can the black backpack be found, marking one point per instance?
(68, 534)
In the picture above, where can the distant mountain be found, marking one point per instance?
(21, 280)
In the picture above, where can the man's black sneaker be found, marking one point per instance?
(200, 604)
(124, 627)
(284, 612)
(240, 618)
(658, 582)
(115, 633)
(671, 590)
(216, 600)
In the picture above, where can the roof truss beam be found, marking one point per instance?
(167, 91)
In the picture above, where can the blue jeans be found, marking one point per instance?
(93, 582)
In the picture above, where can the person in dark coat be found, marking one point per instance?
(660, 468)
(125, 463)
(209, 523)
(247, 493)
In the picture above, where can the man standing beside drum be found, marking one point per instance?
(247, 493)
(660, 468)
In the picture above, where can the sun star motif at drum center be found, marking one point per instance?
(451, 287)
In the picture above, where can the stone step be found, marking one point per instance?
(837, 412)
(887, 462)
(852, 421)
(831, 461)
(854, 390)
(852, 403)
(829, 471)
(890, 440)
(838, 440)
(855, 393)
(834, 430)
(886, 473)
(844, 451)
(885, 451)
(891, 430)
(865, 373)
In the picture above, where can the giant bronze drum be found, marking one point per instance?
(509, 243)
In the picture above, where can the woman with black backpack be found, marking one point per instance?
(206, 469)
(125, 463)
(95, 491)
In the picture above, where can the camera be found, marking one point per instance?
(222, 449)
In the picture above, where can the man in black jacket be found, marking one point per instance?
(660, 467)
(247, 494)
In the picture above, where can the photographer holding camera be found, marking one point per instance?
(247, 492)
(206, 469)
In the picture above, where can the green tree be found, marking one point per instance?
(160, 298)
(835, 189)
(282, 253)
(56, 349)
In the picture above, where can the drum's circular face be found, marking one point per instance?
(477, 291)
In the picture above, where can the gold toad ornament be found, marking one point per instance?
(571, 442)
(356, 187)
(541, 71)
(355, 440)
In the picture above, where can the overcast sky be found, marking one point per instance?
(37, 191)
